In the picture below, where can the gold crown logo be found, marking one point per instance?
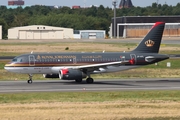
(149, 43)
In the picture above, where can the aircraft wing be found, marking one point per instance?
(93, 67)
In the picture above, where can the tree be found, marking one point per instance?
(20, 20)
(78, 19)
(4, 28)
(154, 5)
(101, 12)
(9, 18)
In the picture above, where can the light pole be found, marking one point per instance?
(114, 3)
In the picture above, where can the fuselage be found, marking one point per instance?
(51, 63)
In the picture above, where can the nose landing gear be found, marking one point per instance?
(30, 79)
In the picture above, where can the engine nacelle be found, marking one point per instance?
(71, 74)
(51, 75)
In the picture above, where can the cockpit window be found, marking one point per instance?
(14, 60)
(17, 60)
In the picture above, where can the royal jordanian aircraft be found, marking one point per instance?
(77, 66)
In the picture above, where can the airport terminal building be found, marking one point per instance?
(138, 26)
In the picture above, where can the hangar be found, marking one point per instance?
(40, 32)
(89, 34)
(92, 34)
(138, 26)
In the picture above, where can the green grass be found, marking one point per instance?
(85, 96)
(170, 52)
(175, 64)
(28, 43)
(10, 54)
(126, 46)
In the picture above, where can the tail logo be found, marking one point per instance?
(149, 43)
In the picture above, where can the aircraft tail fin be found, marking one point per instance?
(151, 42)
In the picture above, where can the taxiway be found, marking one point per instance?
(98, 85)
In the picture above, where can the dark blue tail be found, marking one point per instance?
(152, 41)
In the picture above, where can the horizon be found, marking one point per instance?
(88, 3)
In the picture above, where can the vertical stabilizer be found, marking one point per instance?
(151, 42)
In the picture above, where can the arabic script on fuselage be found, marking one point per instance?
(92, 56)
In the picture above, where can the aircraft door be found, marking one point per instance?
(74, 61)
(31, 60)
(133, 56)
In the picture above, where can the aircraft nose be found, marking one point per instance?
(8, 66)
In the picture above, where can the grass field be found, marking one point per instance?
(84, 105)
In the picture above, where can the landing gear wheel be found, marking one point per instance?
(89, 80)
(78, 80)
(29, 81)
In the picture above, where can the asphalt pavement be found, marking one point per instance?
(98, 85)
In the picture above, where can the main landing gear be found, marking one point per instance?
(78, 80)
(89, 80)
(30, 79)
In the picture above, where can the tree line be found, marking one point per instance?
(93, 18)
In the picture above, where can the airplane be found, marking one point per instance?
(77, 66)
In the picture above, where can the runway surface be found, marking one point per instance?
(98, 85)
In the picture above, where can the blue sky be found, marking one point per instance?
(70, 3)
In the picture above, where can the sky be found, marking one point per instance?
(87, 3)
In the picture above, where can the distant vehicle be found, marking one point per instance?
(77, 66)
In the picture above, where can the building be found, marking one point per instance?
(0, 32)
(125, 4)
(76, 7)
(138, 26)
(89, 34)
(40, 32)
(15, 2)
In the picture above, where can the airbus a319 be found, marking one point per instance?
(77, 66)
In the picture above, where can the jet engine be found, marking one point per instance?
(71, 74)
(51, 75)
